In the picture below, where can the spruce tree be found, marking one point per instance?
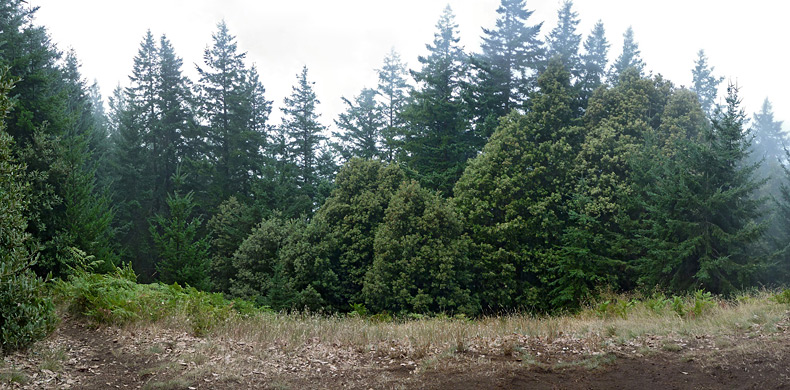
(393, 94)
(439, 141)
(182, 257)
(629, 58)
(303, 136)
(702, 219)
(593, 62)
(361, 127)
(505, 72)
(704, 83)
(563, 41)
(235, 149)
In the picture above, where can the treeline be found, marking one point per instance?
(524, 177)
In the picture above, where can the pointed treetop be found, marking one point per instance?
(563, 40)
(630, 57)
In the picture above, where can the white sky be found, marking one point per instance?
(343, 41)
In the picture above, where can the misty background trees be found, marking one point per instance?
(527, 176)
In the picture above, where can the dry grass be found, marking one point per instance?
(419, 338)
(272, 347)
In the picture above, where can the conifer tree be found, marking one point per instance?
(704, 83)
(234, 149)
(393, 94)
(769, 139)
(361, 127)
(505, 71)
(593, 62)
(563, 41)
(630, 57)
(439, 141)
(703, 214)
(303, 136)
(182, 257)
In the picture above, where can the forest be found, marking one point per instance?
(527, 177)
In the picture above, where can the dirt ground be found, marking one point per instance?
(80, 356)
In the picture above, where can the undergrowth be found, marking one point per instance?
(116, 298)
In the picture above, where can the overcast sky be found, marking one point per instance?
(343, 42)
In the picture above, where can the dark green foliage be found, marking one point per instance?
(705, 84)
(351, 216)
(421, 263)
(593, 62)
(234, 111)
(438, 141)
(701, 214)
(393, 92)
(514, 196)
(227, 230)
(504, 73)
(26, 314)
(182, 257)
(563, 41)
(54, 129)
(258, 271)
(302, 137)
(629, 58)
(361, 127)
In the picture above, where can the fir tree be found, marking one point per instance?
(393, 93)
(593, 62)
(704, 83)
(563, 41)
(439, 142)
(303, 135)
(702, 215)
(630, 57)
(182, 257)
(361, 127)
(505, 71)
(234, 148)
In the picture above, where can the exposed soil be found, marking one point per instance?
(79, 356)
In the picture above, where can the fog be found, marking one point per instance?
(343, 42)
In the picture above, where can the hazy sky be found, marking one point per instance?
(343, 42)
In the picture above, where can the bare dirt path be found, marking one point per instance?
(79, 356)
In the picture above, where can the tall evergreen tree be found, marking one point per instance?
(304, 136)
(234, 149)
(769, 139)
(705, 240)
(563, 41)
(505, 71)
(630, 57)
(439, 141)
(393, 93)
(704, 83)
(361, 127)
(593, 62)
